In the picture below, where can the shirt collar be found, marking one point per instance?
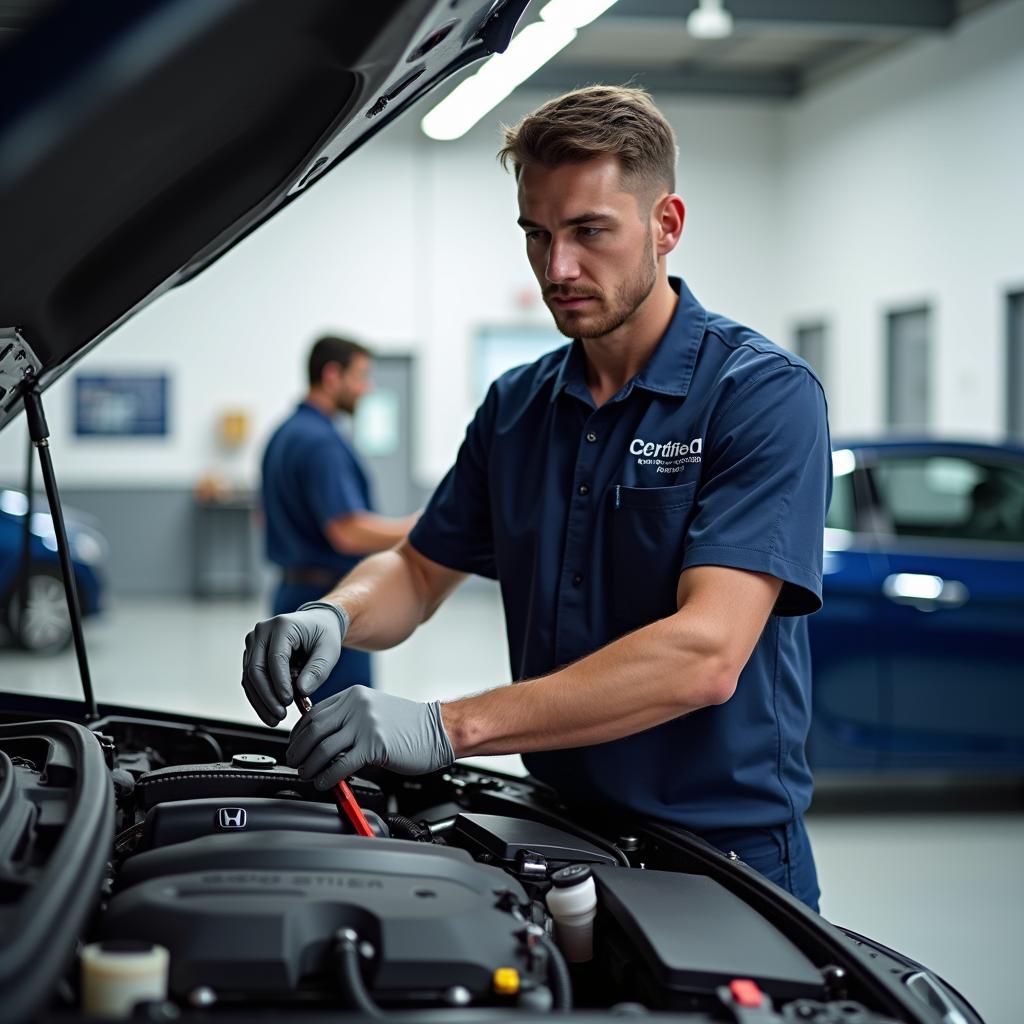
(668, 371)
(310, 407)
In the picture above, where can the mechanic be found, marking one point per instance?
(651, 499)
(316, 496)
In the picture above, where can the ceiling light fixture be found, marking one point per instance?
(501, 74)
(709, 20)
(530, 50)
(574, 13)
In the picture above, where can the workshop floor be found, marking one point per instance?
(938, 878)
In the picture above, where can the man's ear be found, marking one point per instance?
(668, 216)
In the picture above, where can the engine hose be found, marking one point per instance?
(405, 828)
(350, 975)
(558, 975)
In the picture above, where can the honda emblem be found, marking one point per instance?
(232, 817)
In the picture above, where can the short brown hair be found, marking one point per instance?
(332, 349)
(600, 120)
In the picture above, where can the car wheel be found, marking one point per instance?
(46, 626)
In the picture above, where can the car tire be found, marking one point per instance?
(46, 629)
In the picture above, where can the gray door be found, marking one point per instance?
(908, 357)
(382, 434)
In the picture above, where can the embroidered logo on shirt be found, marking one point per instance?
(666, 456)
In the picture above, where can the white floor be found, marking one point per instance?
(944, 888)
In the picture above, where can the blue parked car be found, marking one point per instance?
(919, 650)
(46, 628)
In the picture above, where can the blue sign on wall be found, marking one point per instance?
(121, 405)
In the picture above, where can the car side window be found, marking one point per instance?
(842, 513)
(952, 496)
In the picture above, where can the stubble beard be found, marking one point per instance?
(629, 296)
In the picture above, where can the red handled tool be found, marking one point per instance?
(343, 795)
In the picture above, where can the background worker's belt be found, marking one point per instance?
(311, 576)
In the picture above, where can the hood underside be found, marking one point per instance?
(142, 139)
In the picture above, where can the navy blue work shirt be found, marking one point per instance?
(310, 476)
(716, 453)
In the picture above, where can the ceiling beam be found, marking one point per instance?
(867, 16)
(561, 75)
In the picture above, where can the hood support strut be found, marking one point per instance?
(24, 568)
(39, 433)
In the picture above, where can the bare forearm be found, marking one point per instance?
(389, 594)
(384, 600)
(641, 680)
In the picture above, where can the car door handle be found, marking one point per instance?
(926, 593)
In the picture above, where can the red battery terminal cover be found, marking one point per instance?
(745, 992)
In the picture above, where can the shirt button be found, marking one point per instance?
(583, 489)
(577, 579)
(591, 437)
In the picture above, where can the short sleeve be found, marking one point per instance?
(455, 528)
(333, 482)
(765, 486)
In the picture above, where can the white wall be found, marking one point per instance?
(904, 185)
(900, 183)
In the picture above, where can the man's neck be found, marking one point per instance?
(316, 398)
(615, 358)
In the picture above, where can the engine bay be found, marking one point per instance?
(477, 892)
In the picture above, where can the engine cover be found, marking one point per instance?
(178, 821)
(257, 913)
(239, 778)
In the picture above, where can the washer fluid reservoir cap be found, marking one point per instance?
(574, 874)
(261, 762)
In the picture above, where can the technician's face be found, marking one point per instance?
(589, 244)
(351, 384)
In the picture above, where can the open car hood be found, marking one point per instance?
(142, 139)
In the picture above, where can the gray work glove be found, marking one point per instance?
(304, 645)
(360, 727)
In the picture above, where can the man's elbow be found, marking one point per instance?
(709, 658)
(720, 682)
(712, 671)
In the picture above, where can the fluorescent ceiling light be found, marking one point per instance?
(709, 20)
(574, 13)
(530, 50)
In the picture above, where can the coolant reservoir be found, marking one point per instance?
(572, 902)
(118, 974)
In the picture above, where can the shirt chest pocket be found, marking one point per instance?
(648, 531)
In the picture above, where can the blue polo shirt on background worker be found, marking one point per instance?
(651, 499)
(317, 499)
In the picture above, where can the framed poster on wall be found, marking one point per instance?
(121, 405)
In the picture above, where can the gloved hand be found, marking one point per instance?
(360, 727)
(309, 639)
